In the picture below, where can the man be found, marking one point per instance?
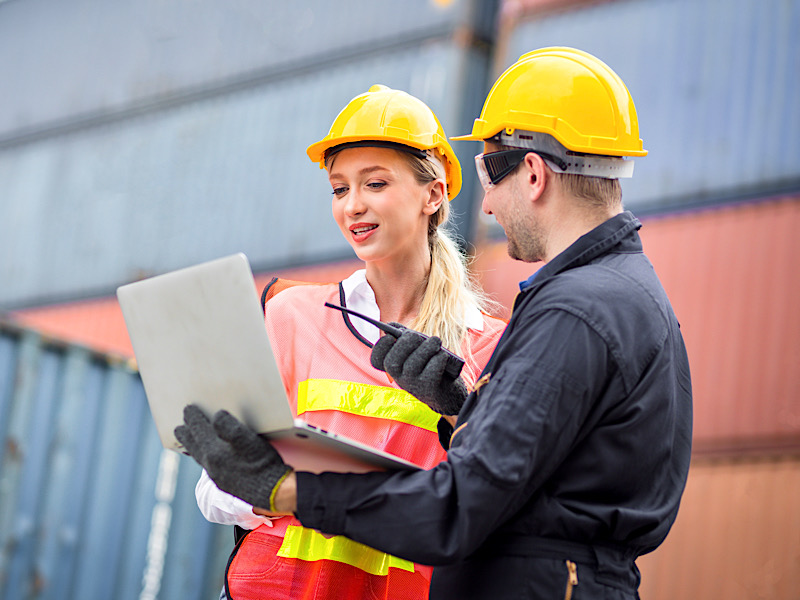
(569, 457)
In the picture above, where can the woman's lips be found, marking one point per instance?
(362, 231)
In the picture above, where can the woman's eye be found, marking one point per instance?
(376, 185)
(339, 191)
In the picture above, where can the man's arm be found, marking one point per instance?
(285, 499)
(513, 434)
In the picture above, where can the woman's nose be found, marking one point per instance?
(354, 204)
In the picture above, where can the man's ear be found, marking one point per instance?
(536, 173)
(435, 197)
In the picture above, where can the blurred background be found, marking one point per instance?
(141, 137)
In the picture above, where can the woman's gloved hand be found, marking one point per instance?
(417, 363)
(240, 461)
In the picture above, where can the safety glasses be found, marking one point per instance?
(494, 166)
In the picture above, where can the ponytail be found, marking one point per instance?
(451, 293)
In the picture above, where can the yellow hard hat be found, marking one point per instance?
(394, 117)
(568, 94)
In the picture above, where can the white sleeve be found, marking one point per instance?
(220, 507)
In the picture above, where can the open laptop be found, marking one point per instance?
(199, 338)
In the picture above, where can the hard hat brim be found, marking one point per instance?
(469, 137)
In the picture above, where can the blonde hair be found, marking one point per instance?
(451, 292)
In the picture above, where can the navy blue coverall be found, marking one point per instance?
(576, 448)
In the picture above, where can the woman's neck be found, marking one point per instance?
(399, 288)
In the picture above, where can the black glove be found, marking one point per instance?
(417, 363)
(240, 461)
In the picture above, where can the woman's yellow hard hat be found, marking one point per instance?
(568, 94)
(386, 115)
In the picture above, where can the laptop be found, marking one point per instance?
(199, 338)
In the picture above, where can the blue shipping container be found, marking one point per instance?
(91, 506)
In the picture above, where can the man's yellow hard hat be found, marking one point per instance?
(391, 116)
(568, 94)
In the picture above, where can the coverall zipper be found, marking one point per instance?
(572, 579)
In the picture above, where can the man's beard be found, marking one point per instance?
(526, 240)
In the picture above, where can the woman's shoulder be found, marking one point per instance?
(486, 339)
(493, 326)
(282, 293)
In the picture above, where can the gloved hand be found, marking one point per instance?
(240, 461)
(417, 364)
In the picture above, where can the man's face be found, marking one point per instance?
(509, 202)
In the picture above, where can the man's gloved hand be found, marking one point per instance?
(417, 364)
(240, 461)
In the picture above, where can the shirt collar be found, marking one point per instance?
(618, 232)
(359, 296)
(525, 284)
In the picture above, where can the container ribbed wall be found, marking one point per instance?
(737, 535)
(158, 191)
(91, 506)
(100, 59)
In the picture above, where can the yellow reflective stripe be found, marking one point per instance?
(311, 545)
(364, 400)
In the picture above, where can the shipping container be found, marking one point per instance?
(737, 535)
(91, 505)
(154, 53)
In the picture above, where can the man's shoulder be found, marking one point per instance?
(625, 279)
(612, 297)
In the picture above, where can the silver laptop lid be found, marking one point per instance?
(198, 336)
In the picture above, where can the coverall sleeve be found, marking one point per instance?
(512, 436)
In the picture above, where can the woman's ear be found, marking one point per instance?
(435, 197)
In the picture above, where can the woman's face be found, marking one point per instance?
(379, 206)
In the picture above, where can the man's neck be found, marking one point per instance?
(570, 222)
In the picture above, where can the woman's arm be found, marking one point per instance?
(220, 507)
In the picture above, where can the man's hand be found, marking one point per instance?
(240, 461)
(418, 364)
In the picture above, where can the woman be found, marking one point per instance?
(392, 173)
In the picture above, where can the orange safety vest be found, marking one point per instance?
(325, 367)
